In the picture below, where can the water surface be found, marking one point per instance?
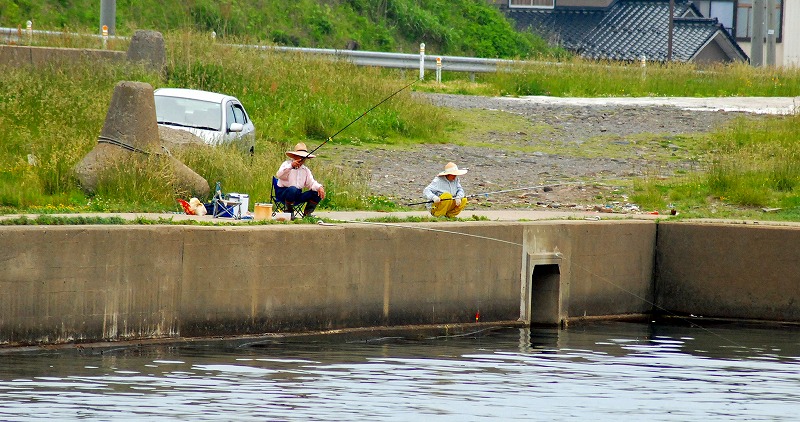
(601, 371)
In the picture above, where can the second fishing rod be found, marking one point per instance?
(486, 194)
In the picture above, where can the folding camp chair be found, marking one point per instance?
(223, 206)
(280, 206)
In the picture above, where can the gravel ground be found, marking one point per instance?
(587, 153)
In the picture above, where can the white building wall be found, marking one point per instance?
(791, 33)
(779, 49)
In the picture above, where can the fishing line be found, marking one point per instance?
(486, 194)
(469, 334)
(362, 115)
(560, 255)
(430, 229)
(653, 304)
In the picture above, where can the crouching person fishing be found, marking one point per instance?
(445, 193)
(296, 184)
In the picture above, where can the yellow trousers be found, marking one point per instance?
(447, 207)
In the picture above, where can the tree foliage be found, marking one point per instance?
(447, 27)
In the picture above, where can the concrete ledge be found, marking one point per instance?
(729, 271)
(94, 283)
(82, 284)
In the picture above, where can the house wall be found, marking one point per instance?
(779, 52)
(712, 53)
(787, 52)
(791, 34)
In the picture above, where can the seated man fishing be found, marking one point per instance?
(445, 193)
(296, 184)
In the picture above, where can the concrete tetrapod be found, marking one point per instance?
(130, 132)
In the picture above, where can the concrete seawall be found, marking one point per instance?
(729, 271)
(61, 284)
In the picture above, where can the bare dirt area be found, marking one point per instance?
(548, 156)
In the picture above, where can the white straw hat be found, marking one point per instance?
(301, 151)
(452, 168)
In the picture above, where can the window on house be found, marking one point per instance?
(723, 10)
(541, 4)
(744, 19)
(737, 16)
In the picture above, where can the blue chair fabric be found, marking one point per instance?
(281, 206)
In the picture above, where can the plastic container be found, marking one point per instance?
(263, 211)
(243, 199)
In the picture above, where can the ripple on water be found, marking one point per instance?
(607, 371)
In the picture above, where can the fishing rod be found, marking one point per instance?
(503, 191)
(362, 115)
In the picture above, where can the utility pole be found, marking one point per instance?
(669, 29)
(108, 15)
(772, 30)
(757, 38)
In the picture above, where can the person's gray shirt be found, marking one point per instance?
(440, 185)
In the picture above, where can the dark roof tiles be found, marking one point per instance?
(627, 29)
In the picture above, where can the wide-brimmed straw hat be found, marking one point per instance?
(301, 151)
(452, 168)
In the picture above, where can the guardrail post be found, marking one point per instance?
(438, 70)
(105, 36)
(29, 28)
(643, 59)
(422, 60)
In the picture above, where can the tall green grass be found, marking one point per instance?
(582, 78)
(750, 165)
(758, 163)
(52, 116)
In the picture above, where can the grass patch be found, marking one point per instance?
(49, 220)
(752, 171)
(577, 77)
(52, 118)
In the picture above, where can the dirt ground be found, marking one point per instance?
(579, 157)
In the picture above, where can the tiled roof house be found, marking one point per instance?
(627, 30)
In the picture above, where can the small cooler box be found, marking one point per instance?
(244, 205)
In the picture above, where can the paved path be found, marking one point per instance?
(494, 215)
(757, 105)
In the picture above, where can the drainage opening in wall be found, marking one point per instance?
(545, 295)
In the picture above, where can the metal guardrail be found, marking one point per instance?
(358, 57)
(14, 34)
(404, 60)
